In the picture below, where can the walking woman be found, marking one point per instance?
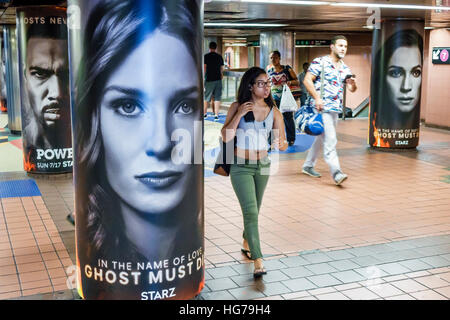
(280, 75)
(252, 120)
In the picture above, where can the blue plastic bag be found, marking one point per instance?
(308, 120)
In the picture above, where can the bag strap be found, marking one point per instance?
(286, 72)
(321, 82)
(322, 76)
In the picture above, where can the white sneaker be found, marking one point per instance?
(339, 177)
(311, 172)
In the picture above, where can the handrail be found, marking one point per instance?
(361, 107)
(233, 73)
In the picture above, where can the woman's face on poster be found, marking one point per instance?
(153, 92)
(404, 78)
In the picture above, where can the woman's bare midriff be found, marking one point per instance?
(250, 154)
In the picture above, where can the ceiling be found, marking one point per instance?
(298, 18)
(308, 18)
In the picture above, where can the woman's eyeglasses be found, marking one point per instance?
(262, 84)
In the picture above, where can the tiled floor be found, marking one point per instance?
(33, 258)
(10, 145)
(385, 234)
(419, 272)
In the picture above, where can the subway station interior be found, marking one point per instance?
(383, 234)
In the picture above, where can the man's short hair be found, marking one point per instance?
(305, 64)
(336, 38)
(47, 30)
(213, 45)
(277, 53)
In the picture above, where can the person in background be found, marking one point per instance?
(301, 76)
(280, 75)
(213, 68)
(334, 71)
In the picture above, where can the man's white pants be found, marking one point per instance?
(328, 140)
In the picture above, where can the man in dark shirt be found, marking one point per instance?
(213, 68)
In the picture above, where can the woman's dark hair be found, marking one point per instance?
(248, 79)
(114, 29)
(386, 115)
(276, 52)
(403, 38)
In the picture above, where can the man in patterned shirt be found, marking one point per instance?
(334, 75)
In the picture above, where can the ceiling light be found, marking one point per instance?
(250, 25)
(388, 6)
(294, 2)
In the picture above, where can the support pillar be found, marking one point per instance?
(12, 79)
(44, 88)
(136, 75)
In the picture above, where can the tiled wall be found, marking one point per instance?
(437, 83)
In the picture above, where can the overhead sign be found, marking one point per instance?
(312, 42)
(441, 55)
(253, 43)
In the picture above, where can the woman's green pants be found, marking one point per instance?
(249, 181)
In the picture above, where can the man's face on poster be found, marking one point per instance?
(47, 71)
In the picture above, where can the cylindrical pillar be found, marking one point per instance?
(397, 64)
(3, 102)
(136, 75)
(12, 79)
(44, 87)
(283, 41)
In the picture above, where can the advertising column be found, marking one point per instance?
(397, 63)
(12, 80)
(137, 100)
(3, 100)
(44, 89)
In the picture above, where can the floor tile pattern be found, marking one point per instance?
(384, 234)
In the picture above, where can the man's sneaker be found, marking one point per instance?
(311, 172)
(216, 118)
(205, 116)
(70, 218)
(339, 177)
